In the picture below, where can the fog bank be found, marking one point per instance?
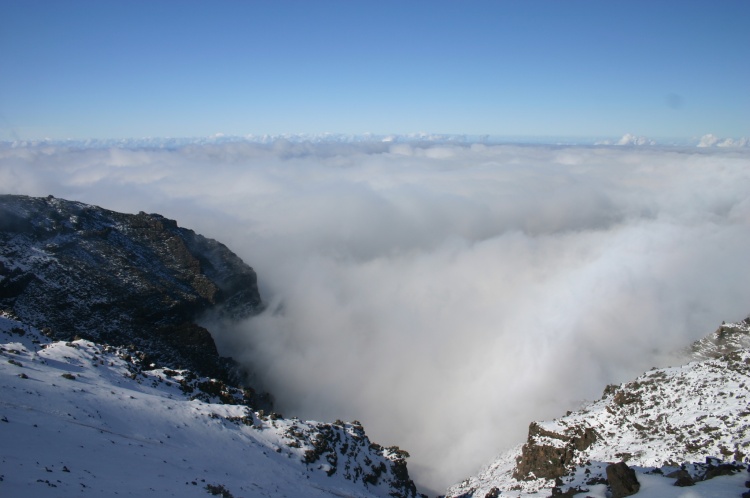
(444, 295)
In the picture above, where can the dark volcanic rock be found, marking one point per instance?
(715, 468)
(622, 480)
(120, 278)
(684, 481)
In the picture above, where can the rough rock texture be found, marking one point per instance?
(622, 480)
(548, 454)
(81, 270)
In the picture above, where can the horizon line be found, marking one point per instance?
(627, 139)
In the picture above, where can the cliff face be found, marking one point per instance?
(80, 270)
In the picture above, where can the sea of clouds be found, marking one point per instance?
(445, 295)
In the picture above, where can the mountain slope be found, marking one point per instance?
(85, 419)
(664, 419)
(81, 270)
(727, 338)
(132, 398)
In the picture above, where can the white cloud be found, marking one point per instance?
(708, 140)
(630, 139)
(731, 142)
(445, 295)
(711, 140)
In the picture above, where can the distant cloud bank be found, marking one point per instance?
(628, 139)
(708, 140)
(714, 141)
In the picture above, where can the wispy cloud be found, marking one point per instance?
(444, 295)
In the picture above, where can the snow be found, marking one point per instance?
(663, 419)
(76, 419)
(80, 418)
(654, 486)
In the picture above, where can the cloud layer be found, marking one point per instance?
(444, 295)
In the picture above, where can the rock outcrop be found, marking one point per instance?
(665, 420)
(138, 279)
(548, 454)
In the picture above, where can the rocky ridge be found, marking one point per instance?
(93, 407)
(679, 422)
(80, 270)
(727, 338)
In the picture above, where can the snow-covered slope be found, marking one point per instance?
(85, 419)
(727, 338)
(666, 418)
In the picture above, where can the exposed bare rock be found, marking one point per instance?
(80, 270)
(548, 454)
(683, 478)
(622, 480)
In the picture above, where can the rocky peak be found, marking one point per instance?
(140, 279)
(548, 454)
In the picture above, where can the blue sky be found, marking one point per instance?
(117, 69)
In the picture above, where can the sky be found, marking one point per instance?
(123, 69)
(444, 294)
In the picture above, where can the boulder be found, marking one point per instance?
(622, 480)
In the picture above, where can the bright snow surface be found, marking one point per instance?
(74, 423)
(664, 418)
